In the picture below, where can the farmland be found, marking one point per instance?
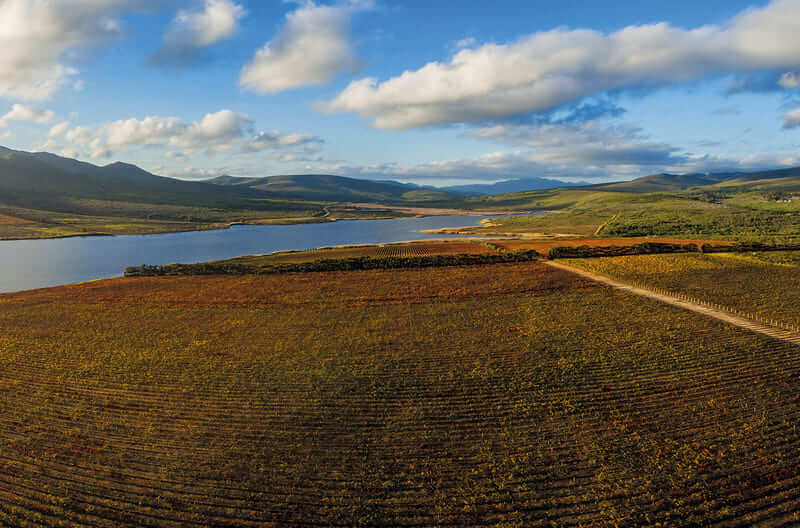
(400, 250)
(505, 395)
(762, 284)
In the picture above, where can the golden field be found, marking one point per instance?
(502, 395)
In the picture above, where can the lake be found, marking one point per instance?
(29, 264)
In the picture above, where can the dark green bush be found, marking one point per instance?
(349, 264)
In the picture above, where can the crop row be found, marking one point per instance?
(513, 395)
(753, 286)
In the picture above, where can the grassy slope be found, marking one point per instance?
(47, 195)
(515, 395)
(339, 189)
(738, 210)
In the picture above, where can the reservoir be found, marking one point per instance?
(29, 264)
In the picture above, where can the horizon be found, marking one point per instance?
(478, 95)
(466, 183)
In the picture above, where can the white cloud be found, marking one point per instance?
(59, 129)
(191, 31)
(217, 132)
(20, 112)
(590, 145)
(466, 43)
(790, 80)
(274, 140)
(546, 70)
(500, 166)
(41, 38)
(147, 131)
(791, 119)
(80, 136)
(98, 149)
(311, 48)
(558, 134)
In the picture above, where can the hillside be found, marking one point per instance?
(43, 195)
(510, 186)
(44, 180)
(678, 182)
(330, 188)
(661, 183)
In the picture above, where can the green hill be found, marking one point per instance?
(678, 182)
(662, 183)
(45, 195)
(44, 180)
(330, 188)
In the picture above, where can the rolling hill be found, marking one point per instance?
(331, 188)
(45, 181)
(510, 186)
(678, 182)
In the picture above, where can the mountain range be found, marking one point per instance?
(46, 181)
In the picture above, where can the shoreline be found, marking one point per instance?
(275, 222)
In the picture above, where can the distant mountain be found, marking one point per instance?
(744, 177)
(678, 182)
(509, 186)
(41, 180)
(45, 181)
(329, 188)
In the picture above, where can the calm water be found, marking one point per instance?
(28, 264)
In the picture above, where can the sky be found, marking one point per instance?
(434, 93)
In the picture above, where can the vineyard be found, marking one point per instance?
(760, 285)
(505, 395)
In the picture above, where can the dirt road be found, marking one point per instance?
(771, 331)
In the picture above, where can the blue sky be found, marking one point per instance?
(481, 92)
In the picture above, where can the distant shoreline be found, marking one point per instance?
(276, 222)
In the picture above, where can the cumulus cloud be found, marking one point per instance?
(791, 119)
(311, 48)
(217, 132)
(41, 39)
(192, 31)
(20, 112)
(547, 70)
(59, 129)
(147, 131)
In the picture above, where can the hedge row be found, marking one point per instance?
(649, 248)
(645, 248)
(348, 264)
(747, 247)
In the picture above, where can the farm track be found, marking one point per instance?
(693, 428)
(771, 331)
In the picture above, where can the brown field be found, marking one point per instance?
(12, 220)
(408, 249)
(544, 246)
(504, 395)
